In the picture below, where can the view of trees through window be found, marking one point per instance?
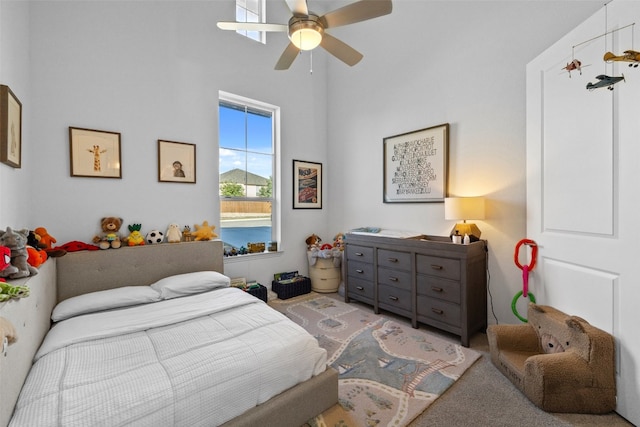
(246, 147)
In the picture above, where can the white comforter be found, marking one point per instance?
(191, 361)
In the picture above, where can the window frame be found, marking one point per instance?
(262, 14)
(276, 191)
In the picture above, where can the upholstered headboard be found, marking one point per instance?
(90, 271)
(81, 272)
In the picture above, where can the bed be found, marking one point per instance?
(189, 351)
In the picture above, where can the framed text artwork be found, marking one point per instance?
(415, 166)
(10, 128)
(95, 153)
(307, 185)
(176, 162)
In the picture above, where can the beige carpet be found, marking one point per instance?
(389, 372)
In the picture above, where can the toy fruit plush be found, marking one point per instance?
(135, 238)
(110, 236)
(16, 241)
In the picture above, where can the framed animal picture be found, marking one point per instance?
(95, 153)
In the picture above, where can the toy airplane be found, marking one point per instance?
(573, 66)
(631, 56)
(604, 81)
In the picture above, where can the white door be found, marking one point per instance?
(583, 185)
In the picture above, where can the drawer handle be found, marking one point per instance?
(392, 298)
(360, 288)
(393, 279)
(436, 267)
(437, 311)
(359, 254)
(360, 271)
(434, 289)
(392, 259)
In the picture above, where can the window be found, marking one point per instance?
(248, 141)
(251, 11)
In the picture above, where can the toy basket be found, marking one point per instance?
(290, 288)
(259, 292)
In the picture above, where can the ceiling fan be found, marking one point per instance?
(307, 30)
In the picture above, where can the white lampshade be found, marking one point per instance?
(306, 38)
(464, 208)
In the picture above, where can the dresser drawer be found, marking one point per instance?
(360, 253)
(440, 267)
(360, 288)
(393, 297)
(441, 311)
(360, 270)
(435, 287)
(394, 278)
(394, 259)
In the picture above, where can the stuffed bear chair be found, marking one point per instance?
(560, 362)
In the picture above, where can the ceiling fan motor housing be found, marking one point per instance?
(305, 32)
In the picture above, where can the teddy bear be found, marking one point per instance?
(110, 236)
(313, 241)
(174, 235)
(16, 241)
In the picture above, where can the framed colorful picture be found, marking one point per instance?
(307, 185)
(415, 166)
(176, 162)
(95, 153)
(10, 128)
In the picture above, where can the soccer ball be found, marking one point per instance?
(154, 236)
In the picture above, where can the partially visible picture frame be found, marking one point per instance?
(176, 162)
(10, 128)
(307, 185)
(95, 153)
(416, 166)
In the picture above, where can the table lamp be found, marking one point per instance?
(464, 208)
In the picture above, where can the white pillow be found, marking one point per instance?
(190, 283)
(104, 300)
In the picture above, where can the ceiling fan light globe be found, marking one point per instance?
(306, 38)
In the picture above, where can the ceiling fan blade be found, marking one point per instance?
(252, 26)
(288, 56)
(298, 7)
(340, 50)
(357, 12)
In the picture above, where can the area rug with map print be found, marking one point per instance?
(389, 371)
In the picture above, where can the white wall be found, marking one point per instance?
(14, 72)
(152, 70)
(428, 63)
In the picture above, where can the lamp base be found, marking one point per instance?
(466, 228)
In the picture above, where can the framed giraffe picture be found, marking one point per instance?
(95, 153)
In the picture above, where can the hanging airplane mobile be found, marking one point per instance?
(631, 56)
(604, 81)
(574, 65)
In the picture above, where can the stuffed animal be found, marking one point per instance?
(76, 246)
(7, 331)
(6, 269)
(110, 236)
(36, 257)
(186, 234)
(338, 241)
(204, 232)
(135, 238)
(155, 236)
(313, 241)
(17, 242)
(173, 233)
(45, 239)
(8, 291)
